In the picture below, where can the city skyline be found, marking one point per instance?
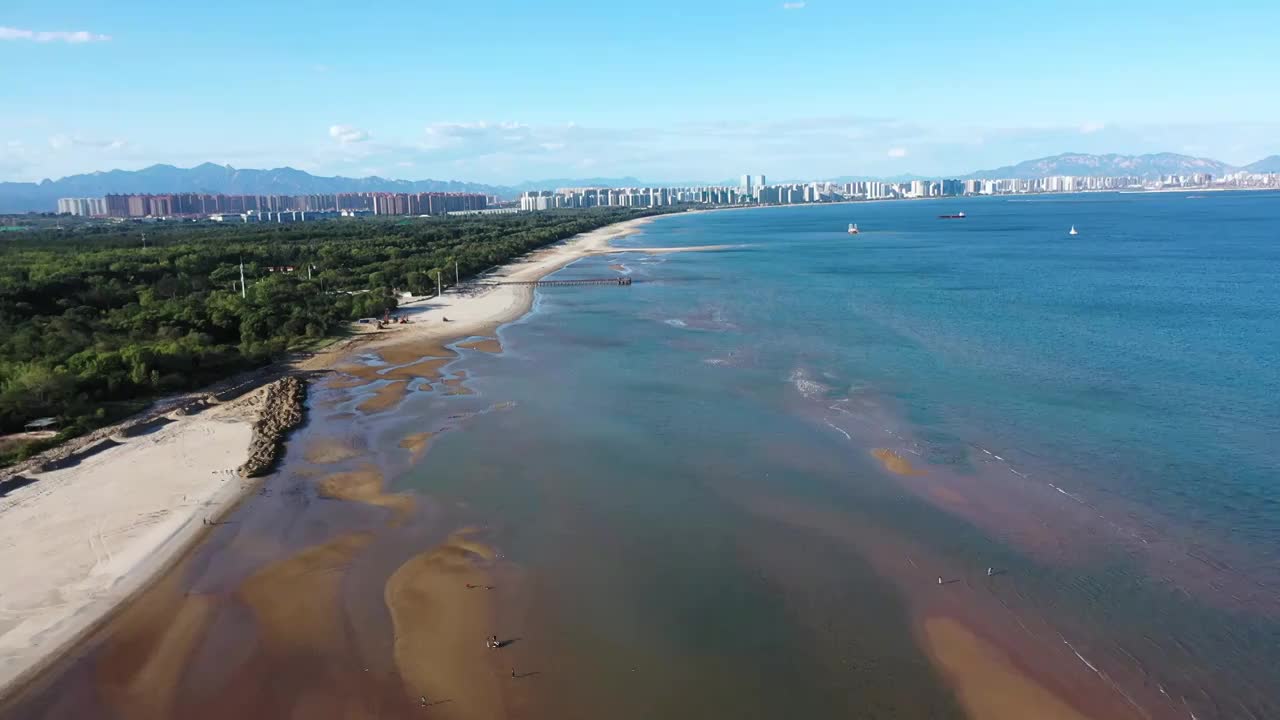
(752, 190)
(507, 92)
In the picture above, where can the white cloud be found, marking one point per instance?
(40, 36)
(64, 142)
(793, 5)
(347, 134)
(1092, 127)
(897, 152)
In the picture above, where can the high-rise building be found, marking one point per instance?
(746, 185)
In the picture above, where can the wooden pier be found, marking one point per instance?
(565, 283)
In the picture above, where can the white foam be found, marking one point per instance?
(846, 435)
(809, 388)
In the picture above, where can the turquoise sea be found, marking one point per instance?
(1094, 416)
(759, 482)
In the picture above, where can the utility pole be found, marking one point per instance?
(243, 294)
(439, 272)
(456, 278)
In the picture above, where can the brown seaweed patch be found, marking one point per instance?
(489, 345)
(894, 462)
(386, 397)
(439, 610)
(366, 486)
(987, 683)
(417, 444)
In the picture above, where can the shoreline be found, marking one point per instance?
(97, 521)
(479, 310)
(88, 537)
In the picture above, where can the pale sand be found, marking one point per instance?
(82, 539)
(480, 312)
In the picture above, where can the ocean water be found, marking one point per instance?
(1095, 416)
(765, 481)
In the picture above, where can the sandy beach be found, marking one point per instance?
(88, 536)
(84, 538)
(479, 309)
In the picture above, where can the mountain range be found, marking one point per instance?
(210, 178)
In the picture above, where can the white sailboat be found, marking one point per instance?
(1073, 231)
(853, 228)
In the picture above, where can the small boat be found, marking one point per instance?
(853, 228)
(1073, 231)
(957, 216)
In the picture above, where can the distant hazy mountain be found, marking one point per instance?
(211, 178)
(1108, 165)
(905, 177)
(1270, 164)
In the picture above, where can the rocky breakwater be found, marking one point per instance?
(281, 411)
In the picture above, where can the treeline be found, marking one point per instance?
(93, 324)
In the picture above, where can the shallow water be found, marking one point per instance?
(771, 480)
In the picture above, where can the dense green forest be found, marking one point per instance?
(93, 324)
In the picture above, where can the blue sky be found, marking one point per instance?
(497, 91)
